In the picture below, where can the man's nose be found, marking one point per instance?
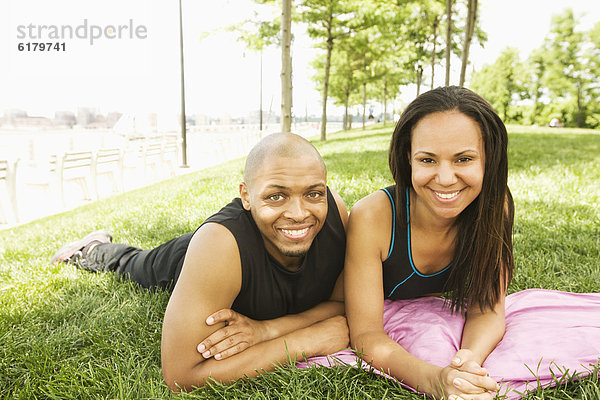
(296, 209)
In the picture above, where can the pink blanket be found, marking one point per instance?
(547, 334)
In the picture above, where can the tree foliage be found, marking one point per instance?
(501, 82)
(560, 80)
(372, 49)
(328, 21)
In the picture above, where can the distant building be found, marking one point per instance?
(33, 122)
(225, 120)
(64, 119)
(11, 115)
(201, 119)
(85, 116)
(112, 118)
(20, 119)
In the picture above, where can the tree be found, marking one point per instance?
(566, 76)
(328, 21)
(258, 36)
(469, 31)
(344, 85)
(501, 82)
(286, 66)
(448, 39)
(421, 23)
(388, 86)
(536, 69)
(592, 57)
(366, 51)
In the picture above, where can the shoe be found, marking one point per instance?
(71, 252)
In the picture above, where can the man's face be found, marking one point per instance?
(288, 201)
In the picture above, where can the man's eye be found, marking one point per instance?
(275, 197)
(315, 195)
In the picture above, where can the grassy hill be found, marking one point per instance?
(68, 334)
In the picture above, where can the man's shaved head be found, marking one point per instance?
(286, 145)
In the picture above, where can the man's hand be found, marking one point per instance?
(239, 333)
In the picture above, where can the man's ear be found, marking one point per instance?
(245, 196)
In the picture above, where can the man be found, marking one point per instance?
(257, 284)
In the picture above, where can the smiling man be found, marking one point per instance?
(259, 283)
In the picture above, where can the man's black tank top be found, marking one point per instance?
(401, 279)
(268, 289)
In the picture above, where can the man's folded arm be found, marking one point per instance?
(242, 332)
(210, 280)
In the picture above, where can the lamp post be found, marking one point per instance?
(261, 91)
(183, 122)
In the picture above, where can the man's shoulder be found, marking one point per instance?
(233, 210)
(238, 222)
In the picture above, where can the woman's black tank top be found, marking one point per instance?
(401, 279)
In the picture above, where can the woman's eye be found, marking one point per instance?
(464, 159)
(427, 160)
(314, 195)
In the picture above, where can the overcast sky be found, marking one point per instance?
(139, 72)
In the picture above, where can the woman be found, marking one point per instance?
(444, 227)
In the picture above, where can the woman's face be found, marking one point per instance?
(447, 161)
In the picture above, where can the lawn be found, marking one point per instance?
(68, 334)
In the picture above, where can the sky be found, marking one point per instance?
(123, 55)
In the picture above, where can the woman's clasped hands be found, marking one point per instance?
(465, 379)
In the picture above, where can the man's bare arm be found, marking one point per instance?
(210, 280)
(241, 332)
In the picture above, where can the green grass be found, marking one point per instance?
(69, 334)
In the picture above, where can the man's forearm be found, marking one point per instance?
(293, 322)
(321, 338)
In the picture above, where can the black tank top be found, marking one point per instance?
(401, 279)
(269, 290)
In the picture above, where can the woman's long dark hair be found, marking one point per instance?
(483, 260)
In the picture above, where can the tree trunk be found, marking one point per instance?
(326, 80)
(448, 39)
(579, 116)
(419, 79)
(469, 30)
(286, 66)
(384, 100)
(535, 105)
(435, 26)
(364, 105)
(346, 122)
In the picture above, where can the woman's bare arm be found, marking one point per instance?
(367, 243)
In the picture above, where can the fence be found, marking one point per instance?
(54, 172)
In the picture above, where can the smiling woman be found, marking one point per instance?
(448, 163)
(445, 226)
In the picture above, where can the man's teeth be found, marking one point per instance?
(295, 232)
(447, 195)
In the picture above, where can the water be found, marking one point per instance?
(37, 193)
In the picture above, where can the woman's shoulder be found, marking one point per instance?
(374, 206)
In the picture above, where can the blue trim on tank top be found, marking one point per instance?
(415, 271)
(393, 222)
